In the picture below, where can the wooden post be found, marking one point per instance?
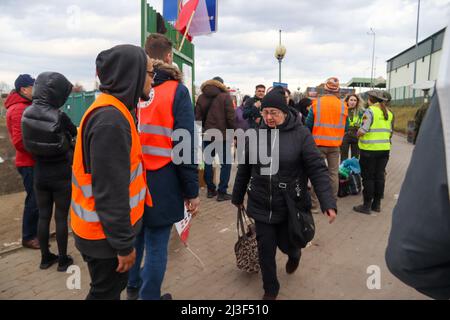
(186, 32)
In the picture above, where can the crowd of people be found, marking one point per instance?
(116, 177)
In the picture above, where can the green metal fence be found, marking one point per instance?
(77, 104)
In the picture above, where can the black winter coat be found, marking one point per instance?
(47, 131)
(299, 159)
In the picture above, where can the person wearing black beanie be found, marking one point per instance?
(294, 158)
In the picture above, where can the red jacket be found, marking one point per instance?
(15, 105)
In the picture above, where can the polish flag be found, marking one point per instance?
(187, 10)
(183, 226)
(201, 21)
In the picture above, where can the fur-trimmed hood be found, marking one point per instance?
(212, 88)
(166, 70)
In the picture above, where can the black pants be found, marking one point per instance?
(106, 283)
(350, 141)
(57, 193)
(373, 167)
(269, 237)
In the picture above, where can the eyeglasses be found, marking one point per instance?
(274, 113)
(151, 74)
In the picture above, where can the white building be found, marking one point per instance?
(400, 69)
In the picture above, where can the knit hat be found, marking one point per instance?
(332, 84)
(218, 79)
(275, 99)
(377, 94)
(23, 81)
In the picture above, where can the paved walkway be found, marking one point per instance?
(333, 267)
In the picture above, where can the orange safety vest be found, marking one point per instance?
(85, 221)
(155, 127)
(330, 116)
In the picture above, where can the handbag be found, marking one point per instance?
(246, 247)
(301, 227)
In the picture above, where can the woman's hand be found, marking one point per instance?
(331, 213)
(239, 206)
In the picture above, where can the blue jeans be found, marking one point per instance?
(149, 279)
(225, 167)
(30, 211)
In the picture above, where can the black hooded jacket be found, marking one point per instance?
(47, 131)
(106, 150)
(299, 159)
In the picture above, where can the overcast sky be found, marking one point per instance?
(323, 37)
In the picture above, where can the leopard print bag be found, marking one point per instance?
(246, 247)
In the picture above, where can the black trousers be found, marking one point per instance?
(350, 141)
(269, 237)
(373, 167)
(106, 283)
(49, 194)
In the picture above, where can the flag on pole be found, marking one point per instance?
(203, 14)
(186, 15)
(183, 227)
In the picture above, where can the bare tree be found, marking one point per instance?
(78, 88)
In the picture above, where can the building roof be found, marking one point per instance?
(366, 82)
(425, 47)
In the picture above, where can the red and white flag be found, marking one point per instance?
(188, 9)
(201, 20)
(183, 227)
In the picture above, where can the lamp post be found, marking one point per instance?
(372, 33)
(280, 52)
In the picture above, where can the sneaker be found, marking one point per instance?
(362, 209)
(211, 193)
(132, 293)
(166, 296)
(64, 263)
(224, 197)
(31, 244)
(292, 265)
(48, 262)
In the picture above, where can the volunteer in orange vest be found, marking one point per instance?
(328, 123)
(109, 186)
(173, 183)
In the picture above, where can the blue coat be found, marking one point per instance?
(172, 184)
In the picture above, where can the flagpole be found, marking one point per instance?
(187, 30)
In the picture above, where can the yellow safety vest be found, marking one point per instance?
(378, 138)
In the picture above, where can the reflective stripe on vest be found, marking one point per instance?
(378, 138)
(85, 220)
(329, 132)
(156, 126)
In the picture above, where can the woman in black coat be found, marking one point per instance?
(298, 159)
(47, 134)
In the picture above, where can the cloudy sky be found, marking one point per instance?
(323, 37)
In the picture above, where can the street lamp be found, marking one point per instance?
(372, 33)
(280, 52)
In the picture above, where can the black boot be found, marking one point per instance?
(224, 197)
(376, 205)
(363, 208)
(211, 193)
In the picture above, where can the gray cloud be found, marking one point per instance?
(323, 38)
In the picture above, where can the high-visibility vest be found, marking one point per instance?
(355, 121)
(155, 127)
(378, 138)
(85, 221)
(330, 117)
